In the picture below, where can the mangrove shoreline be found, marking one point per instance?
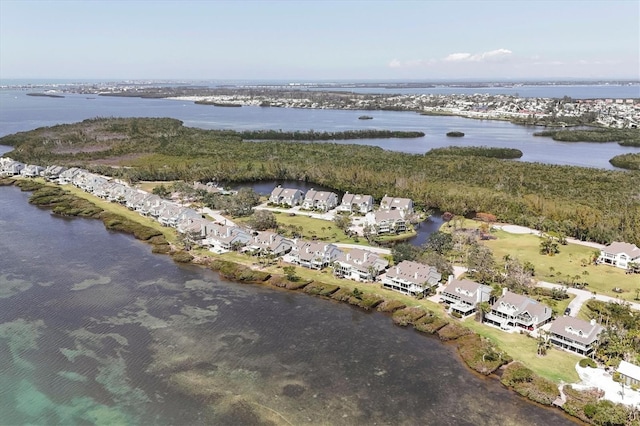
(479, 354)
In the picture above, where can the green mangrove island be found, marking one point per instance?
(583, 203)
(477, 151)
(279, 135)
(625, 137)
(626, 161)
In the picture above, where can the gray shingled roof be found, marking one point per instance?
(576, 329)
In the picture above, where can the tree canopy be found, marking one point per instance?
(584, 203)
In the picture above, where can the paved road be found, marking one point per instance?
(330, 215)
(584, 295)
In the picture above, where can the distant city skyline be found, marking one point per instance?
(320, 40)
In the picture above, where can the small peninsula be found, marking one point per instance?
(45, 95)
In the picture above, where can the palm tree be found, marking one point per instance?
(543, 343)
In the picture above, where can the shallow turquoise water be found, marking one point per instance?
(94, 329)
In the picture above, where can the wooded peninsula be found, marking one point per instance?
(584, 203)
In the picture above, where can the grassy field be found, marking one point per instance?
(148, 186)
(556, 366)
(322, 230)
(601, 279)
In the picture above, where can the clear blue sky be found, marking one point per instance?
(329, 40)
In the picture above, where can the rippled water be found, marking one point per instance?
(94, 329)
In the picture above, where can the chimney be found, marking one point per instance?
(504, 291)
(593, 322)
(449, 279)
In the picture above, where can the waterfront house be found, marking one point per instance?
(193, 226)
(619, 254)
(387, 222)
(320, 200)
(629, 373)
(88, 182)
(53, 172)
(463, 296)
(515, 310)
(359, 265)
(12, 168)
(288, 196)
(575, 335)
(149, 205)
(118, 193)
(403, 205)
(313, 254)
(170, 214)
(411, 278)
(185, 215)
(134, 200)
(67, 176)
(356, 203)
(224, 238)
(269, 243)
(31, 170)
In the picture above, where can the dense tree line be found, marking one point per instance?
(628, 137)
(278, 135)
(584, 203)
(477, 151)
(626, 161)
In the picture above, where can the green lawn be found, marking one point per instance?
(556, 366)
(601, 279)
(148, 186)
(169, 233)
(311, 228)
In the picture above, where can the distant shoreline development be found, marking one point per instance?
(613, 112)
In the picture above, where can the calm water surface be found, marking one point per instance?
(19, 112)
(94, 329)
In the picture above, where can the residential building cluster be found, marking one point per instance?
(356, 264)
(619, 113)
(393, 215)
(513, 311)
